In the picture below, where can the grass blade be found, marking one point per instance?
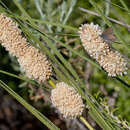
(30, 108)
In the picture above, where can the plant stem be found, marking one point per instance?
(86, 123)
(52, 83)
(125, 6)
(111, 19)
(18, 77)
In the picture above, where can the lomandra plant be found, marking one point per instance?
(68, 95)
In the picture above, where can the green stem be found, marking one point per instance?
(125, 6)
(86, 123)
(15, 76)
(52, 83)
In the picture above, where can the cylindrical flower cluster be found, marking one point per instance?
(33, 62)
(114, 64)
(11, 38)
(95, 45)
(67, 100)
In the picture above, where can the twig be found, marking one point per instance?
(111, 19)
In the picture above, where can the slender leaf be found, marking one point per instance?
(30, 108)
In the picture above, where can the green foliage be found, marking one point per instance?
(52, 22)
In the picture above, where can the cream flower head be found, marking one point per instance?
(11, 38)
(67, 100)
(97, 48)
(35, 65)
(31, 60)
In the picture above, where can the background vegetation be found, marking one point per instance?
(111, 91)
